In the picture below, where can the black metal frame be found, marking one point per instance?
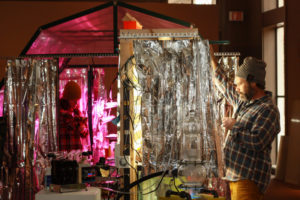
(115, 5)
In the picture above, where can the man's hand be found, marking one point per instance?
(228, 122)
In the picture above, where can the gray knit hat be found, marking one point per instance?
(255, 67)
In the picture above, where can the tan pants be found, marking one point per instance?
(244, 190)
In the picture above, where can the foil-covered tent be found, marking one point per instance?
(87, 47)
(90, 38)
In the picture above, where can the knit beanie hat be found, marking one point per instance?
(72, 91)
(255, 67)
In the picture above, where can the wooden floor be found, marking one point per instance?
(281, 191)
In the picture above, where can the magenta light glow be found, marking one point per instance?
(101, 110)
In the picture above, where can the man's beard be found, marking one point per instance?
(247, 96)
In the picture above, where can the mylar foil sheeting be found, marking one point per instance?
(229, 64)
(175, 78)
(30, 108)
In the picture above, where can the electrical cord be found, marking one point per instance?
(181, 194)
(163, 173)
(127, 112)
(131, 166)
(127, 84)
(127, 80)
(174, 181)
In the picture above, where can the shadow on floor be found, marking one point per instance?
(278, 190)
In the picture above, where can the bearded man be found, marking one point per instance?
(253, 127)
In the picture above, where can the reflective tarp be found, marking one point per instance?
(178, 104)
(30, 107)
(179, 110)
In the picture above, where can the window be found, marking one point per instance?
(201, 2)
(273, 54)
(280, 95)
(196, 2)
(268, 5)
(271, 4)
(280, 3)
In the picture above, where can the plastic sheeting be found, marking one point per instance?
(30, 107)
(178, 103)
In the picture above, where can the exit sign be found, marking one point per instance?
(237, 16)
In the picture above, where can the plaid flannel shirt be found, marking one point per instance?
(70, 129)
(247, 147)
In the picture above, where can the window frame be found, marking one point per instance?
(273, 20)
